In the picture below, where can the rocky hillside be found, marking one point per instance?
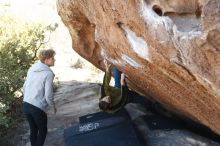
(74, 99)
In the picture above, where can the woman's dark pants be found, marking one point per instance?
(37, 120)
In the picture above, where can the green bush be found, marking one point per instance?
(19, 43)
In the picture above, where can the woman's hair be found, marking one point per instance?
(46, 54)
(104, 105)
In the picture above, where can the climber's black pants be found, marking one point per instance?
(37, 120)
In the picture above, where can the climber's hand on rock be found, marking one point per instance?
(122, 79)
(107, 65)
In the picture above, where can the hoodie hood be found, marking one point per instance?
(39, 67)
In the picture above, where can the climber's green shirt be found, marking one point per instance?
(118, 95)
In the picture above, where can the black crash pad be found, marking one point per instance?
(155, 122)
(174, 131)
(103, 115)
(114, 131)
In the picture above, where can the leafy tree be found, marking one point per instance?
(19, 43)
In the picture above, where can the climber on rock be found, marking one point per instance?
(114, 98)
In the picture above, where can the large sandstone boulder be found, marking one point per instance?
(169, 49)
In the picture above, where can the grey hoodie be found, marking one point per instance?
(38, 87)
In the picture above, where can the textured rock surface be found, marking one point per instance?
(169, 49)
